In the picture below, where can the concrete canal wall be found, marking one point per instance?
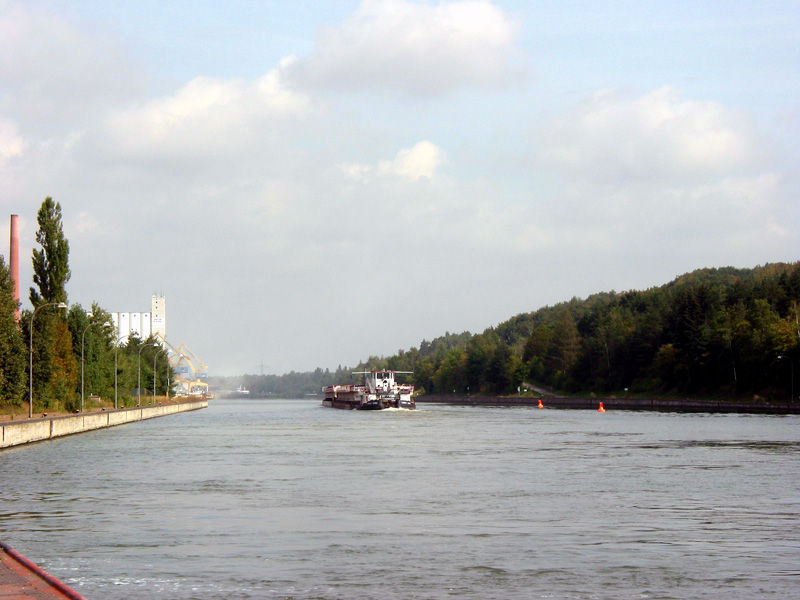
(36, 430)
(662, 404)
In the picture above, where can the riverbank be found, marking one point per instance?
(17, 432)
(658, 404)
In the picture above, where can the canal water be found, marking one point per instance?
(285, 499)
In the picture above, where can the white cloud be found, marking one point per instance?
(206, 117)
(51, 70)
(87, 223)
(664, 179)
(416, 48)
(656, 136)
(11, 142)
(236, 186)
(740, 206)
(357, 171)
(419, 161)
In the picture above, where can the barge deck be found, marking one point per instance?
(20, 579)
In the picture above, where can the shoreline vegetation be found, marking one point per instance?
(627, 403)
(719, 334)
(62, 358)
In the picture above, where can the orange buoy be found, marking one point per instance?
(601, 409)
(540, 403)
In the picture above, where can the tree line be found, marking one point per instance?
(729, 332)
(714, 332)
(289, 385)
(300, 384)
(56, 340)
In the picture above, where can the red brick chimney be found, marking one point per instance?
(13, 259)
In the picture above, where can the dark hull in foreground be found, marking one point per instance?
(20, 579)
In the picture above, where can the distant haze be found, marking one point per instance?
(309, 184)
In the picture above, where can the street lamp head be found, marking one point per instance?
(61, 305)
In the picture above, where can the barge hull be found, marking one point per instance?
(378, 392)
(21, 579)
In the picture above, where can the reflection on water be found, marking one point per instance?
(285, 499)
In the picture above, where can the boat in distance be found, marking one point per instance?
(380, 390)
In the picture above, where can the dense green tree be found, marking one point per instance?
(517, 372)
(54, 365)
(451, 374)
(13, 380)
(61, 339)
(424, 372)
(709, 331)
(64, 371)
(403, 361)
(50, 263)
(480, 353)
(499, 372)
(537, 347)
(93, 335)
(564, 348)
(143, 355)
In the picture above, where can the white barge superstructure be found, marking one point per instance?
(380, 390)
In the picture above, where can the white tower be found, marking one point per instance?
(159, 316)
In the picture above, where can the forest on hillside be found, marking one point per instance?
(713, 332)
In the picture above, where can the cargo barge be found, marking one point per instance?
(379, 391)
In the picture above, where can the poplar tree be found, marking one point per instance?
(55, 367)
(50, 264)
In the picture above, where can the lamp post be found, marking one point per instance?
(30, 356)
(139, 381)
(791, 396)
(83, 339)
(116, 347)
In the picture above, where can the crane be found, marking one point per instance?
(201, 371)
(189, 378)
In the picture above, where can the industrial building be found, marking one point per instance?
(143, 324)
(191, 375)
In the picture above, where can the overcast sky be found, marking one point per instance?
(313, 182)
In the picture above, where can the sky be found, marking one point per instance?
(313, 183)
